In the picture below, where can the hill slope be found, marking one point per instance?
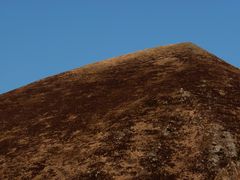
(170, 112)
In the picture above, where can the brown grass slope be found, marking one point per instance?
(170, 112)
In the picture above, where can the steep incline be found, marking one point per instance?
(171, 112)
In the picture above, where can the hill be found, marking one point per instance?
(170, 112)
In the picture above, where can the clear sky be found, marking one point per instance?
(46, 37)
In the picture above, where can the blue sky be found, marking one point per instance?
(42, 38)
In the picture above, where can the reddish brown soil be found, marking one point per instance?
(170, 112)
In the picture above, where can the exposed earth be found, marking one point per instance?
(170, 112)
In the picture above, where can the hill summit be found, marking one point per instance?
(170, 112)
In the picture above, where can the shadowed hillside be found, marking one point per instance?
(170, 112)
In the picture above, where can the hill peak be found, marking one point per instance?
(182, 47)
(180, 52)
